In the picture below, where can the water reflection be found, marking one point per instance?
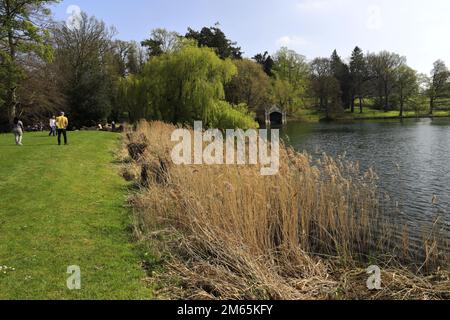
(411, 157)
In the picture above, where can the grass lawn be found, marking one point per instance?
(368, 113)
(307, 115)
(372, 113)
(63, 206)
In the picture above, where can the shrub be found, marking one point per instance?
(226, 116)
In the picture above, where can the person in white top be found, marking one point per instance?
(18, 131)
(52, 127)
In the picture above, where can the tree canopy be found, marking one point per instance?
(358, 78)
(82, 55)
(291, 72)
(325, 87)
(202, 75)
(215, 38)
(23, 32)
(250, 86)
(439, 83)
(184, 85)
(266, 61)
(161, 41)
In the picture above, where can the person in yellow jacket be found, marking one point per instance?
(61, 124)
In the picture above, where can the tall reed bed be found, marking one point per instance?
(310, 232)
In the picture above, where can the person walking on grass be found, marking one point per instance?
(18, 131)
(62, 123)
(52, 127)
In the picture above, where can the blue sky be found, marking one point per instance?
(418, 29)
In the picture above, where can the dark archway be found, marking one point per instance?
(276, 118)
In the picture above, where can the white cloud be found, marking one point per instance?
(291, 42)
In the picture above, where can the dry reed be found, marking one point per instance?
(226, 232)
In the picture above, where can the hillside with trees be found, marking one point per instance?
(48, 66)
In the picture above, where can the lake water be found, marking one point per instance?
(411, 158)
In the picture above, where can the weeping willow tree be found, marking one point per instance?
(132, 98)
(227, 116)
(184, 86)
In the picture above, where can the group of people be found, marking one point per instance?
(58, 127)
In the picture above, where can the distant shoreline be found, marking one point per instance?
(369, 114)
(359, 117)
(389, 118)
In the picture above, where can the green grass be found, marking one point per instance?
(62, 206)
(373, 113)
(306, 115)
(442, 109)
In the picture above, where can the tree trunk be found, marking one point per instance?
(386, 97)
(431, 105)
(11, 104)
(401, 106)
(353, 104)
(11, 101)
(324, 106)
(360, 105)
(380, 97)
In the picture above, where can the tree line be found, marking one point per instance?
(47, 66)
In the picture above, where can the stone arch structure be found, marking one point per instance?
(275, 115)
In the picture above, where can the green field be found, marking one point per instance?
(63, 206)
(307, 115)
(373, 113)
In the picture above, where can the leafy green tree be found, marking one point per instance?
(3, 90)
(341, 72)
(123, 61)
(419, 102)
(250, 86)
(326, 87)
(383, 68)
(266, 61)
(358, 77)
(40, 92)
(133, 99)
(215, 38)
(292, 67)
(161, 41)
(282, 94)
(119, 57)
(228, 116)
(183, 86)
(83, 55)
(439, 83)
(134, 60)
(407, 86)
(23, 32)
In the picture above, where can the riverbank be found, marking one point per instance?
(64, 206)
(311, 232)
(391, 115)
(310, 116)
